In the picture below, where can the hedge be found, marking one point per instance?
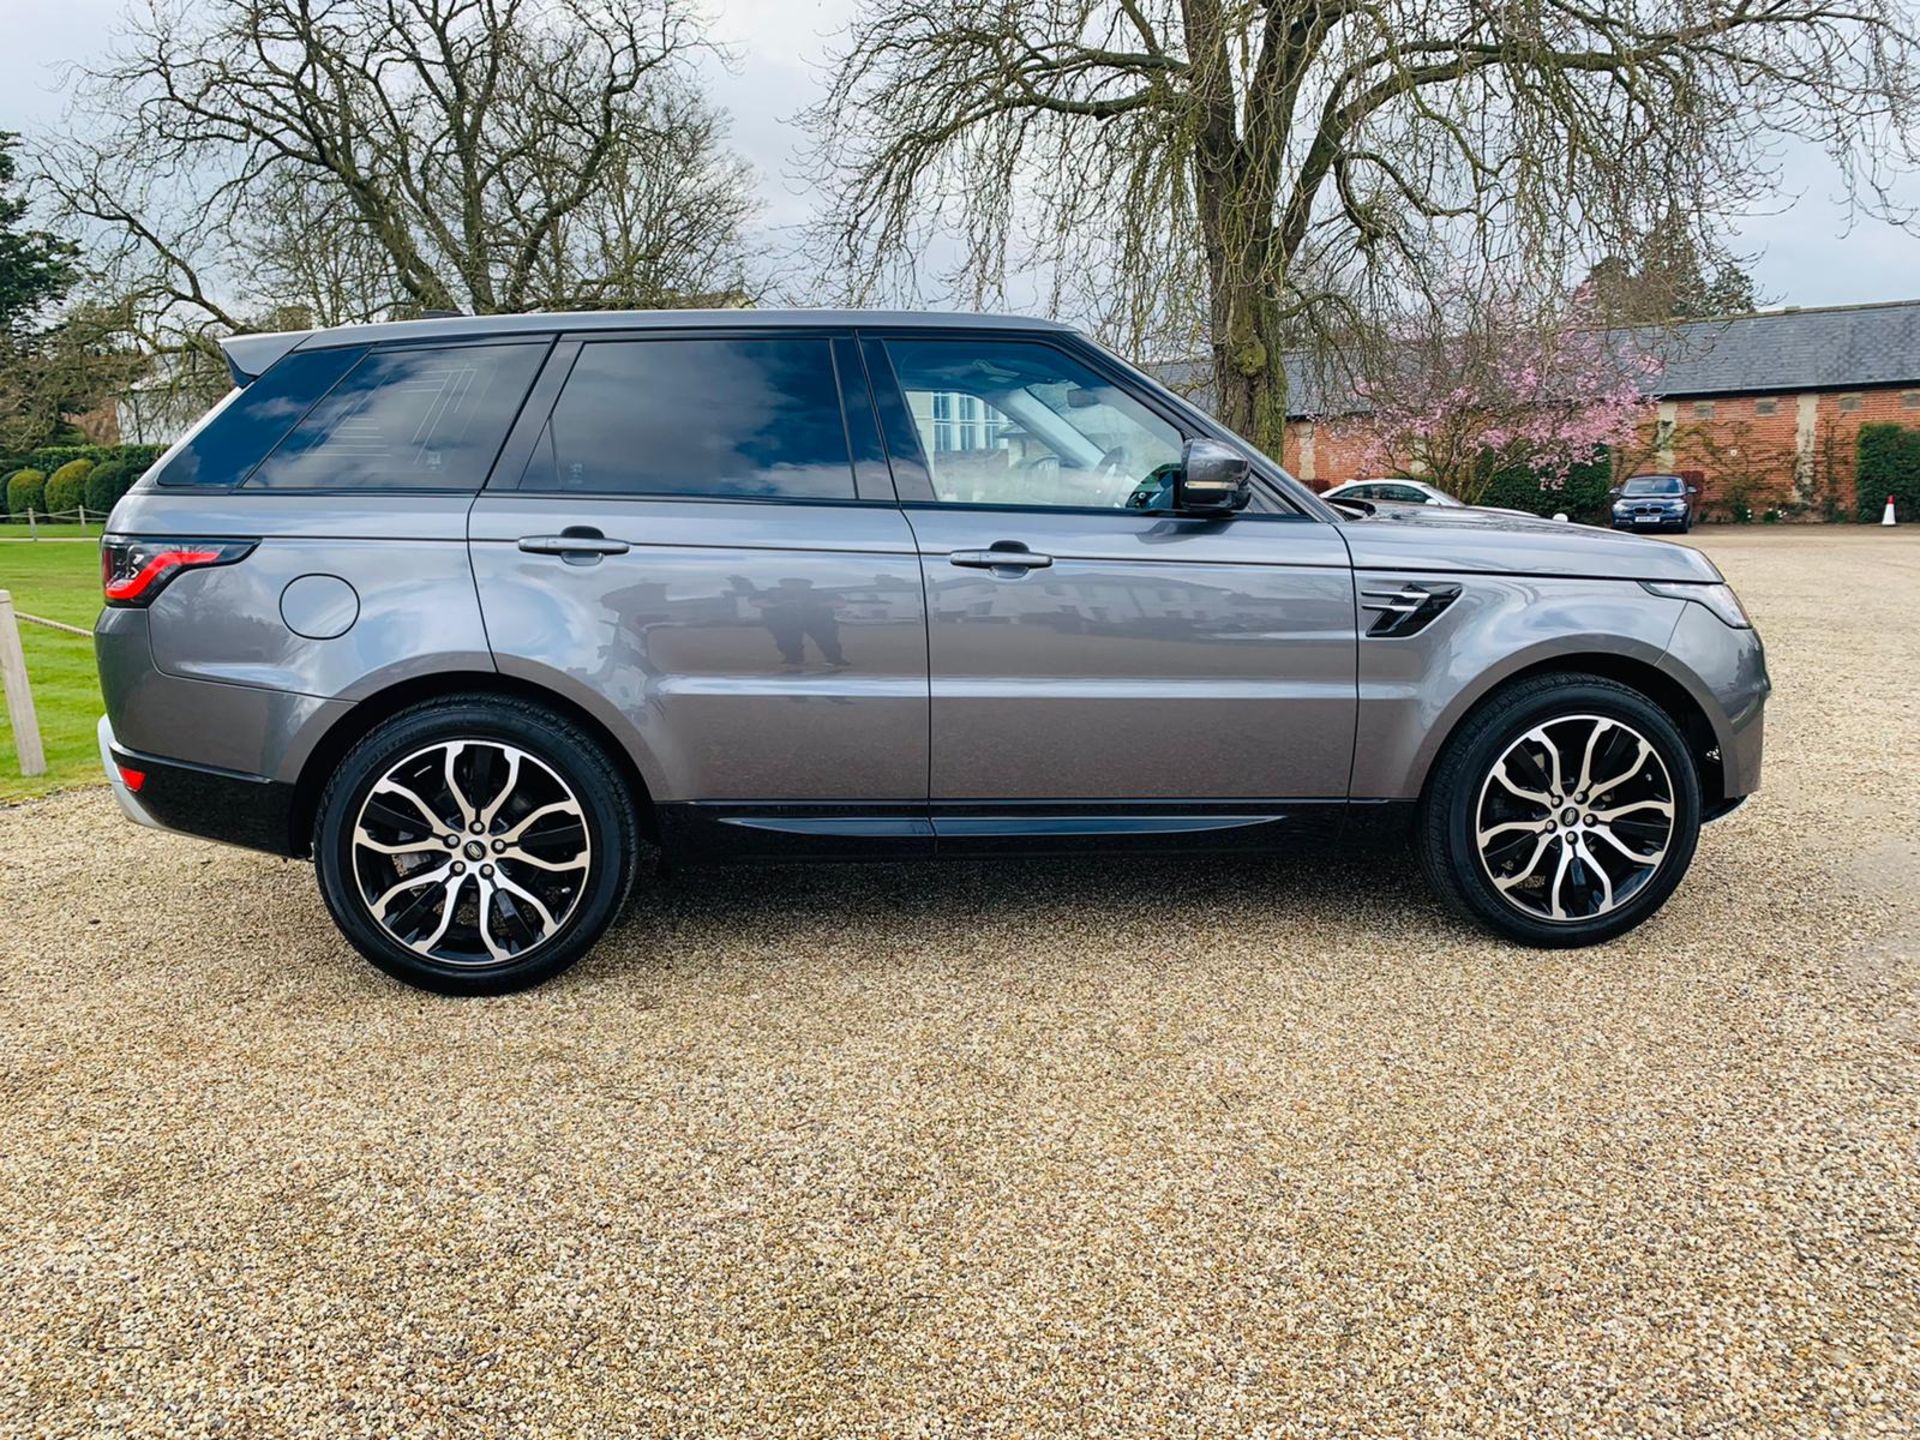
(66, 487)
(110, 480)
(49, 458)
(26, 489)
(1889, 465)
(1585, 497)
(129, 463)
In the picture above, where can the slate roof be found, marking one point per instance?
(1842, 347)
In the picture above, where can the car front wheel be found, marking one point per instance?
(475, 845)
(1563, 813)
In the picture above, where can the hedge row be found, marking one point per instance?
(65, 477)
(1584, 497)
(1889, 465)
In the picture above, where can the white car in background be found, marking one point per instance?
(1408, 492)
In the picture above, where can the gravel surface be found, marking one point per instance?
(1195, 1149)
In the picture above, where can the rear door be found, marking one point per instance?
(1087, 648)
(694, 535)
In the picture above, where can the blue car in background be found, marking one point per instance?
(1655, 502)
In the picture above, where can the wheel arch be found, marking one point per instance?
(1642, 676)
(369, 712)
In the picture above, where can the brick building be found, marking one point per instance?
(1764, 410)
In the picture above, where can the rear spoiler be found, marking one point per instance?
(251, 356)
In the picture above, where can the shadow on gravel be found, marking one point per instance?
(1008, 893)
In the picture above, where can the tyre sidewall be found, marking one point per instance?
(555, 743)
(1465, 771)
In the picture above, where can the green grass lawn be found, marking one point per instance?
(14, 528)
(62, 582)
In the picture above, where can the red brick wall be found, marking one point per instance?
(1737, 449)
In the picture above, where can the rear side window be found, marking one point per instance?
(223, 448)
(728, 418)
(412, 419)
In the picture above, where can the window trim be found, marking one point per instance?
(915, 486)
(245, 485)
(510, 468)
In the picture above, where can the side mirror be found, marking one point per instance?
(1693, 489)
(1213, 480)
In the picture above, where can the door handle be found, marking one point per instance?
(577, 545)
(1021, 559)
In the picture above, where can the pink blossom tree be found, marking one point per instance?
(1498, 393)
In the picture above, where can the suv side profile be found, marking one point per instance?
(468, 610)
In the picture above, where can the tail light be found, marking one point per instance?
(132, 572)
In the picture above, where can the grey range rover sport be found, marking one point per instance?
(467, 610)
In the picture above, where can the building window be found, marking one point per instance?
(1910, 399)
(1765, 407)
(1703, 409)
(965, 422)
(1850, 402)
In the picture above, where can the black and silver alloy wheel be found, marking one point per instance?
(475, 845)
(471, 852)
(1575, 818)
(1563, 811)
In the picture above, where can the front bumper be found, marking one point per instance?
(235, 809)
(1671, 520)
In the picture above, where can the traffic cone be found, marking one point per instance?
(1887, 519)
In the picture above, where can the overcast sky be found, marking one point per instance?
(1805, 252)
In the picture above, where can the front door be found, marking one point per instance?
(1087, 651)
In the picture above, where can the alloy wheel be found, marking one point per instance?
(1575, 818)
(471, 852)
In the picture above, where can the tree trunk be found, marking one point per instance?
(1236, 229)
(1249, 373)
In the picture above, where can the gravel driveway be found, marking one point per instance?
(1182, 1149)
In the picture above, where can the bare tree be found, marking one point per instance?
(352, 158)
(1247, 173)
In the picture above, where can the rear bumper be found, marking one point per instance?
(224, 805)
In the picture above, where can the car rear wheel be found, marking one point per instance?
(1563, 812)
(475, 845)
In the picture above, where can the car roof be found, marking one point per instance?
(251, 355)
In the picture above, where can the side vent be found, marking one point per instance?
(1406, 611)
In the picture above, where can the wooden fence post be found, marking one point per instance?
(13, 678)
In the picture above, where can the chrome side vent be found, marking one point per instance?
(1408, 610)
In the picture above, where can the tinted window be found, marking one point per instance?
(250, 422)
(1009, 422)
(428, 419)
(698, 417)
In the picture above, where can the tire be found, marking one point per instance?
(529, 855)
(1626, 863)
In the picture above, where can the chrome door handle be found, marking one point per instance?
(578, 545)
(999, 560)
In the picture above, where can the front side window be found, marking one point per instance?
(1010, 422)
(408, 419)
(725, 418)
